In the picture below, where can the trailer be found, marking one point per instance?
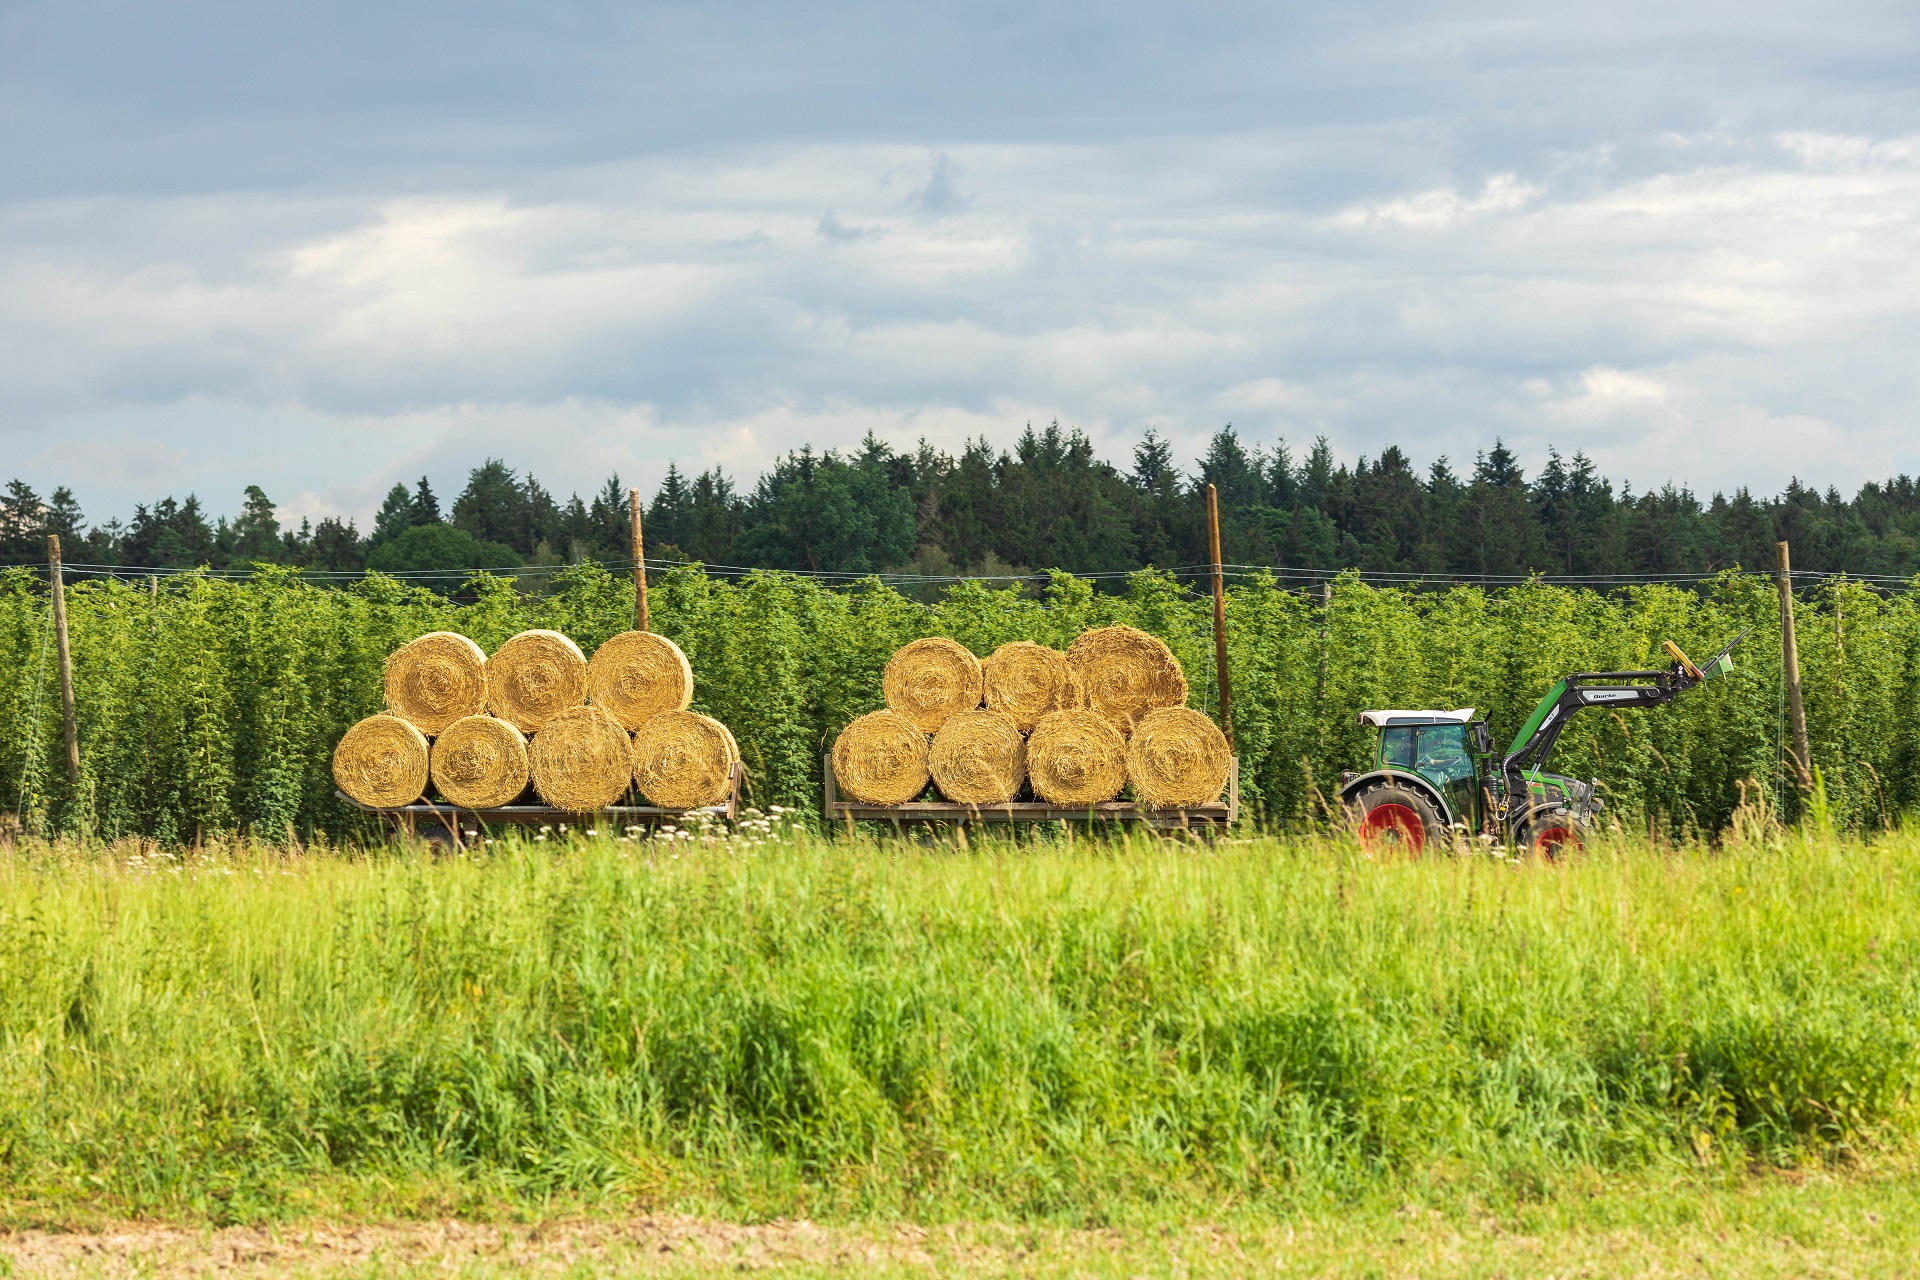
(452, 825)
(1208, 817)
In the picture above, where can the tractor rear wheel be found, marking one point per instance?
(1388, 816)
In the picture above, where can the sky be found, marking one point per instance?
(326, 247)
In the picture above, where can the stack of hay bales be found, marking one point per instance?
(538, 712)
(1076, 727)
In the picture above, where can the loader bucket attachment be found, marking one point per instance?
(1686, 663)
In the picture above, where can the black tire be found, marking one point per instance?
(1388, 815)
(436, 837)
(1551, 835)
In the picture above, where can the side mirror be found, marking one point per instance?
(1482, 740)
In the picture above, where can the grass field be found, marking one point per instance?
(1071, 1055)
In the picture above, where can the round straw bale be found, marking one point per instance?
(382, 762)
(637, 674)
(1177, 759)
(436, 679)
(931, 679)
(1126, 673)
(684, 760)
(1076, 758)
(480, 762)
(1026, 681)
(881, 758)
(581, 760)
(979, 757)
(533, 677)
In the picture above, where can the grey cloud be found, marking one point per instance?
(1676, 236)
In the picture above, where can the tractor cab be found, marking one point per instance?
(1425, 778)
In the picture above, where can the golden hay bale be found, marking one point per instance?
(382, 762)
(928, 680)
(1026, 681)
(437, 679)
(1076, 758)
(881, 758)
(480, 762)
(581, 760)
(533, 677)
(684, 760)
(638, 674)
(979, 757)
(1177, 759)
(1126, 673)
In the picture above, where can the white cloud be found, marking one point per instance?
(1719, 320)
(1443, 206)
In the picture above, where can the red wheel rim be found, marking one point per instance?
(1394, 822)
(1549, 841)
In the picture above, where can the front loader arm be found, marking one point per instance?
(1534, 742)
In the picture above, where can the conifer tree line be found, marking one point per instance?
(1048, 503)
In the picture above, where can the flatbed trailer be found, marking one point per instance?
(445, 822)
(1206, 817)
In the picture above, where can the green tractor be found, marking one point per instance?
(1435, 774)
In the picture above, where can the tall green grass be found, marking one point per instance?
(1060, 1029)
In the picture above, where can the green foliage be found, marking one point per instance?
(799, 1027)
(438, 546)
(214, 705)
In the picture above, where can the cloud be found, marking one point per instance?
(941, 195)
(1427, 230)
(1442, 206)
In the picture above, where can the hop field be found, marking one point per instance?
(212, 707)
(1064, 1031)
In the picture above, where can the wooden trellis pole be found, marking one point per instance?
(1219, 615)
(1790, 662)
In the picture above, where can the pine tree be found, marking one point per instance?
(426, 507)
(254, 534)
(395, 518)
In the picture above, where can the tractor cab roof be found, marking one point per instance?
(1381, 719)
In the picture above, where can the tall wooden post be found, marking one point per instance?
(1790, 663)
(66, 657)
(1219, 614)
(639, 564)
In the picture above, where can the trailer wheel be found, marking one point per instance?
(1387, 816)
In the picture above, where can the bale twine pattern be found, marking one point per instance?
(684, 760)
(1177, 759)
(979, 757)
(381, 762)
(533, 677)
(881, 758)
(638, 674)
(581, 760)
(437, 679)
(1026, 681)
(480, 762)
(1125, 673)
(929, 680)
(1076, 758)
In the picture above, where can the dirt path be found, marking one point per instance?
(644, 1245)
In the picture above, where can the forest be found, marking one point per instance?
(1048, 503)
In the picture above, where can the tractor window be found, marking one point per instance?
(1396, 747)
(1443, 752)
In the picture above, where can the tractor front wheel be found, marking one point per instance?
(1388, 816)
(1550, 835)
